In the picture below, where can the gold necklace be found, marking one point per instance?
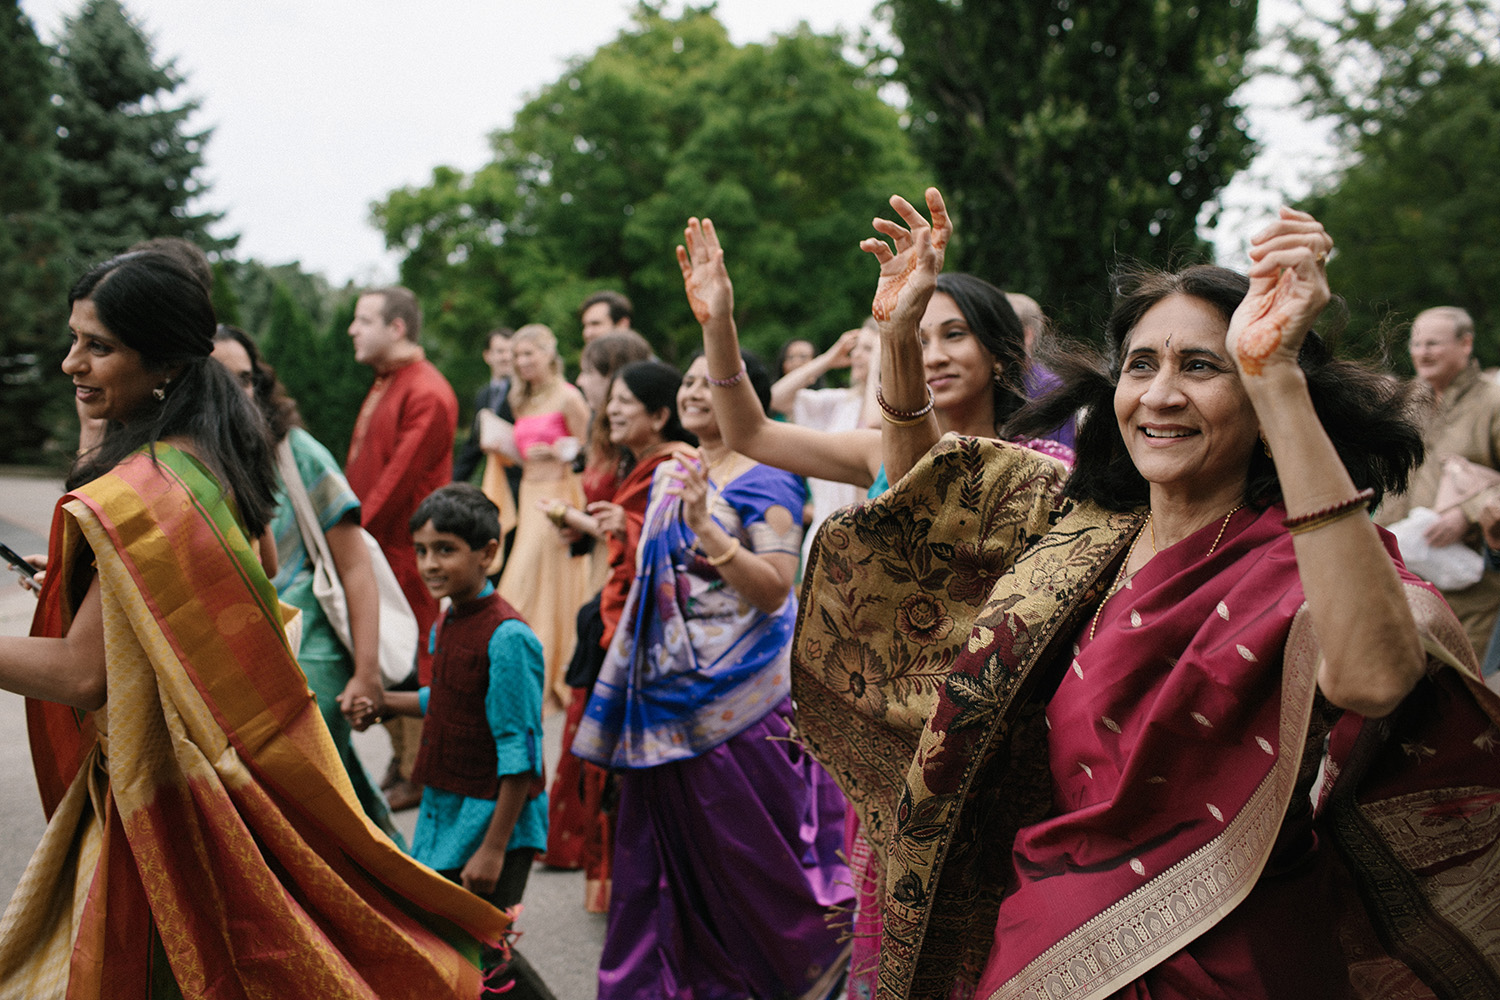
(1150, 528)
(725, 459)
(1120, 579)
(1222, 526)
(1217, 538)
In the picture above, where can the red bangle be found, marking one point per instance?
(900, 417)
(733, 380)
(1324, 515)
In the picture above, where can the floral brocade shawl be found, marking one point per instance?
(204, 840)
(691, 663)
(938, 734)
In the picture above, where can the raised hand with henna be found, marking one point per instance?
(710, 293)
(907, 275)
(1288, 289)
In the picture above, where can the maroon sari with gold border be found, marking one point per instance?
(1196, 703)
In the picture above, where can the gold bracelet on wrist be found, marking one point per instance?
(726, 555)
(558, 515)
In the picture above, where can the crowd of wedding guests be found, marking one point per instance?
(946, 660)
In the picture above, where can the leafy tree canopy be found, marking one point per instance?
(786, 145)
(1413, 92)
(1070, 134)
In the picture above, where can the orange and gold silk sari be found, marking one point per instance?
(204, 840)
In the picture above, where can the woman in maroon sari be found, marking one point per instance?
(1181, 726)
(641, 415)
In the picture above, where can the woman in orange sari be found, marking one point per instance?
(203, 840)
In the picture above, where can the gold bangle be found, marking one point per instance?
(558, 515)
(726, 555)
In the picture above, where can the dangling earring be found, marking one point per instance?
(1265, 445)
(997, 374)
(160, 392)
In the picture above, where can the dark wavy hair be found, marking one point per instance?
(1372, 417)
(606, 355)
(156, 306)
(655, 384)
(278, 408)
(998, 329)
(459, 509)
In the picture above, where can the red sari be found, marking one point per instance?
(1164, 808)
(1182, 747)
(580, 832)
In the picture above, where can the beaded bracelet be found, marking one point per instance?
(733, 380)
(1327, 515)
(726, 555)
(900, 417)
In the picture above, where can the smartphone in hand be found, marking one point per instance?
(16, 562)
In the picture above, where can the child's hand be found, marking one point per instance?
(361, 713)
(483, 871)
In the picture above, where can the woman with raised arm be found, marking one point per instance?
(969, 348)
(970, 351)
(203, 837)
(1181, 726)
(542, 578)
(644, 430)
(726, 851)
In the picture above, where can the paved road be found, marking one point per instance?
(560, 939)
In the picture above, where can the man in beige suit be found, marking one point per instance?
(1464, 422)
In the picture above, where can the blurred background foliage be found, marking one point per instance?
(1067, 136)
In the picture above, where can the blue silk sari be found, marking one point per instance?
(692, 664)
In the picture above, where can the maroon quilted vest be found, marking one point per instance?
(458, 749)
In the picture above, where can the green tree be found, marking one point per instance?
(786, 145)
(33, 273)
(1068, 135)
(249, 288)
(1413, 92)
(130, 169)
(317, 369)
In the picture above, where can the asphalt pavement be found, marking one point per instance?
(559, 938)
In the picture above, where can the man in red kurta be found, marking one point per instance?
(401, 450)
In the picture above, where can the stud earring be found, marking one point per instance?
(160, 392)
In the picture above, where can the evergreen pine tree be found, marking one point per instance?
(33, 272)
(129, 166)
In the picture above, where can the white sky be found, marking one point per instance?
(320, 107)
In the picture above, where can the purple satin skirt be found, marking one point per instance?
(725, 868)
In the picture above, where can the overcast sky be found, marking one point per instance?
(320, 107)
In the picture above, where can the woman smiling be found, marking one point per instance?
(203, 837)
(1183, 726)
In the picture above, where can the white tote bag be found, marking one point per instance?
(398, 626)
